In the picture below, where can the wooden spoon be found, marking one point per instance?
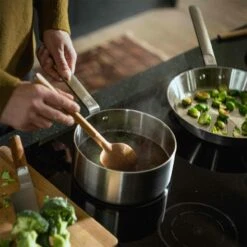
(118, 156)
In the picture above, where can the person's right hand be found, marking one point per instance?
(33, 106)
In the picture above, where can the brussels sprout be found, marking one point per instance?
(230, 105)
(187, 101)
(223, 87)
(202, 96)
(233, 92)
(242, 109)
(214, 93)
(223, 115)
(222, 96)
(202, 107)
(244, 128)
(218, 131)
(204, 119)
(193, 112)
(216, 103)
(236, 132)
(243, 97)
(220, 124)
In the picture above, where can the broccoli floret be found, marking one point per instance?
(29, 220)
(60, 240)
(60, 214)
(27, 239)
(58, 209)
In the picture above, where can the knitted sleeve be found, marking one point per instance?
(7, 86)
(52, 14)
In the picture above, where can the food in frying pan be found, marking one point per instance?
(223, 115)
(244, 128)
(236, 132)
(202, 107)
(220, 124)
(187, 101)
(202, 96)
(204, 119)
(230, 105)
(217, 108)
(243, 110)
(194, 112)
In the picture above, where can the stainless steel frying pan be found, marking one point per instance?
(208, 77)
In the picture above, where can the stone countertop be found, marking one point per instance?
(230, 53)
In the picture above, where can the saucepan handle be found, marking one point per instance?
(202, 36)
(82, 93)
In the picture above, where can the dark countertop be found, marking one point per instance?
(231, 53)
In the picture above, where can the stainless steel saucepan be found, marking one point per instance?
(148, 179)
(206, 78)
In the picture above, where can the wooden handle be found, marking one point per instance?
(79, 119)
(17, 150)
(233, 34)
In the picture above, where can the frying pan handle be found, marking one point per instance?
(202, 36)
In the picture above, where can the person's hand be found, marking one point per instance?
(57, 56)
(33, 106)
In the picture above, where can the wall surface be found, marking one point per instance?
(89, 15)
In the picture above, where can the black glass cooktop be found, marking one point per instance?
(206, 202)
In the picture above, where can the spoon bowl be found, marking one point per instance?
(120, 157)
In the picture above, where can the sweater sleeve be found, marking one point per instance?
(52, 14)
(7, 85)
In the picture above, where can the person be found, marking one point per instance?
(25, 105)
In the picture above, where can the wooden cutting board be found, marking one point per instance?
(86, 232)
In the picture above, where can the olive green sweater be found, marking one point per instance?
(17, 41)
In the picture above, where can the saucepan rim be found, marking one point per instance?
(171, 156)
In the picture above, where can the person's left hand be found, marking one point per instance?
(57, 56)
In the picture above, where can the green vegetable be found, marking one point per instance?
(214, 93)
(223, 115)
(223, 87)
(60, 214)
(202, 96)
(216, 130)
(193, 112)
(5, 203)
(216, 103)
(222, 95)
(202, 107)
(233, 92)
(242, 109)
(204, 119)
(6, 177)
(60, 241)
(230, 105)
(244, 128)
(47, 228)
(243, 97)
(28, 220)
(186, 101)
(236, 132)
(27, 239)
(220, 124)
(27, 227)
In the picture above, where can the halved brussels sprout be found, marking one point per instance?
(204, 119)
(202, 96)
(193, 112)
